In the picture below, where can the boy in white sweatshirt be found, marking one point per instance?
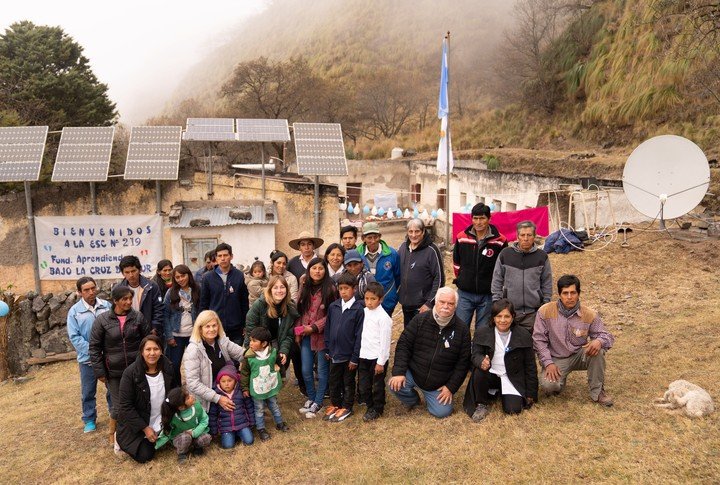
(374, 352)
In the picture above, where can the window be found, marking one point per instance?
(354, 192)
(510, 206)
(463, 198)
(498, 205)
(194, 251)
(441, 198)
(479, 200)
(415, 191)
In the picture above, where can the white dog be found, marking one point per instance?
(687, 398)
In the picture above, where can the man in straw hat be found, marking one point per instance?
(306, 244)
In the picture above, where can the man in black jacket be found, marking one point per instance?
(432, 354)
(224, 292)
(147, 298)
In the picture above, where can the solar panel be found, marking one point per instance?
(260, 130)
(83, 154)
(153, 153)
(21, 152)
(319, 149)
(210, 129)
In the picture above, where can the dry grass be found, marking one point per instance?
(660, 297)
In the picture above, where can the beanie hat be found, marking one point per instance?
(228, 370)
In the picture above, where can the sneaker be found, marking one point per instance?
(264, 435)
(480, 412)
(330, 412)
(89, 427)
(341, 415)
(371, 415)
(313, 411)
(306, 407)
(282, 427)
(182, 458)
(604, 400)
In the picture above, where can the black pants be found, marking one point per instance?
(483, 381)
(409, 313)
(145, 452)
(113, 385)
(371, 386)
(342, 385)
(297, 366)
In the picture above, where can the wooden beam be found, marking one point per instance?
(53, 358)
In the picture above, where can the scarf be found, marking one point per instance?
(567, 313)
(441, 321)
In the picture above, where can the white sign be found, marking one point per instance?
(71, 247)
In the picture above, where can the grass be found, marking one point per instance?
(660, 297)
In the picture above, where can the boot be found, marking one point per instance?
(113, 428)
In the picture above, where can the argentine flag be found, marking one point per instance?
(443, 112)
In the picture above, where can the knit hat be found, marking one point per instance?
(228, 370)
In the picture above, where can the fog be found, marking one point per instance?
(140, 49)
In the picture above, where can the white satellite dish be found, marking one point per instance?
(666, 176)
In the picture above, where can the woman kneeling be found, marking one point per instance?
(503, 365)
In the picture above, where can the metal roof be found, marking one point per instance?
(221, 216)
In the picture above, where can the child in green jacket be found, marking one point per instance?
(185, 423)
(259, 378)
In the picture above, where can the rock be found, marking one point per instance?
(47, 297)
(42, 326)
(240, 215)
(685, 225)
(702, 224)
(714, 229)
(22, 337)
(59, 317)
(31, 295)
(54, 303)
(37, 304)
(43, 314)
(199, 222)
(62, 296)
(38, 353)
(56, 340)
(71, 298)
(608, 270)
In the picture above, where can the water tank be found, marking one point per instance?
(396, 153)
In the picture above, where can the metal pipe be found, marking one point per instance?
(262, 162)
(33, 237)
(210, 173)
(317, 206)
(447, 162)
(158, 198)
(93, 199)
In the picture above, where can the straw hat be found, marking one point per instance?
(305, 236)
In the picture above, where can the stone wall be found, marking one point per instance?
(35, 327)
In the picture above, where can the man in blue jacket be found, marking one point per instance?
(383, 262)
(224, 292)
(147, 298)
(80, 320)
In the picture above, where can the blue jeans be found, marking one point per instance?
(470, 303)
(408, 396)
(260, 411)
(175, 354)
(227, 440)
(88, 388)
(306, 356)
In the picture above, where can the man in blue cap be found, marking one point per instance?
(354, 265)
(383, 262)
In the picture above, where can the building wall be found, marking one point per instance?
(378, 176)
(295, 201)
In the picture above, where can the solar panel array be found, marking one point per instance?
(210, 129)
(259, 130)
(21, 152)
(319, 149)
(83, 154)
(153, 153)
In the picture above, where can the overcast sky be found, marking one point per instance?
(140, 49)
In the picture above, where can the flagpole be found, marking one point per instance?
(447, 163)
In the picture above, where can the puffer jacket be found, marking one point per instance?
(435, 357)
(243, 416)
(133, 408)
(198, 368)
(112, 351)
(258, 317)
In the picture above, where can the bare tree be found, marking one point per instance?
(386, 101)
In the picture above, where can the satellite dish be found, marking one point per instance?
(666, 176)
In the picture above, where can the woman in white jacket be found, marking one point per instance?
(209, 351)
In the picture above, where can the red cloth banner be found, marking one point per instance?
(506, 221)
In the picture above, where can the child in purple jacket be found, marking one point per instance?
(235, 424)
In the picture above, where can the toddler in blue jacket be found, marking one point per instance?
(235, 424)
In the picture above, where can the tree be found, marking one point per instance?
(386, 101)
(277, 90)
(45, 80)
